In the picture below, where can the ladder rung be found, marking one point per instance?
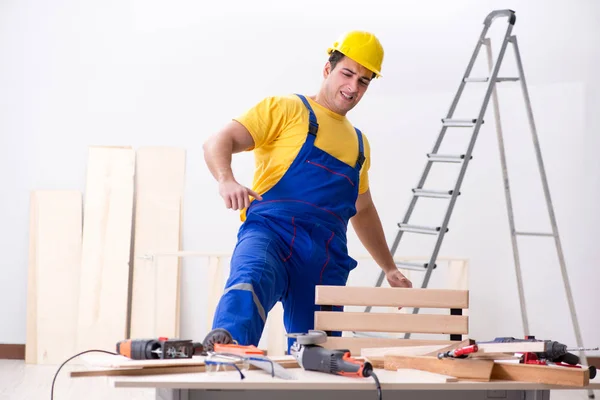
(463, 123)
(441, 194)
(414, 266)
(420, 229)
(469, 79)
(486, 79)
(449, 158)
(534, 234)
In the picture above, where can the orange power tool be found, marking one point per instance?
(161, 348)
(313, 357)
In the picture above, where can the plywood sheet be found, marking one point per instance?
(55, 254)
(107, 227)
(160, 176)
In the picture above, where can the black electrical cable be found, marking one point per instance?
(379, 395)
(69, 359)
(368, 371)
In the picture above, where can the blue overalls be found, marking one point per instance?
(292, 240)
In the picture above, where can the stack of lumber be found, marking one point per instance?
(492, 361)
(112, 365)
(88, 286)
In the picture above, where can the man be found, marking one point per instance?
(311, 178)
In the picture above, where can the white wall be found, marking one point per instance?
(171, 73)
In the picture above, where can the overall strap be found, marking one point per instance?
(361, 152)
(313, 126)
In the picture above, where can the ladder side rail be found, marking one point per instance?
(508, 197)
(548, 198)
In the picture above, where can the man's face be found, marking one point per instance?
(345, 84)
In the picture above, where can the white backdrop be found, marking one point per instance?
(138, 73)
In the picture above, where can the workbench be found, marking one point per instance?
(309, 385)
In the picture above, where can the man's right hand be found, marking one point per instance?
(236, 196)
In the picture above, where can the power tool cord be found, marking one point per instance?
(379, 394)
(69, 359)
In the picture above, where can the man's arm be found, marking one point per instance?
(369, 230)
(218, 152)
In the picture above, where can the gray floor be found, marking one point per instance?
(25, 382)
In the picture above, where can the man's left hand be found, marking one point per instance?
(396, 279)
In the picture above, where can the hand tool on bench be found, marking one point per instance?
(554, 353)
(461, 352)
(219, 343)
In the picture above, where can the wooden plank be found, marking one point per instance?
(215, 286)
(31, 322)
(376, 355)
(548, 374)
(160, 181)
(145, 371)
(391, 297)
(479, 370)
(380, 352)
(416, 376)
(515, 347)
(55, 246)
(58, 258)
(104, 284)
(117, 361)
(388, 322)
(138, 371)
(107, 361)
(355, 344)
(454, 345)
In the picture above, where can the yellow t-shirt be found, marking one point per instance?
(279, 126)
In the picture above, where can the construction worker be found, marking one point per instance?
(311, 178)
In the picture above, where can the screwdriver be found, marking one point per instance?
(459, 353)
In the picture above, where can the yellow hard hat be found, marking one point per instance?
(362, 47)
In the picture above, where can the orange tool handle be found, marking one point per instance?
(237, 349)
(351, 366)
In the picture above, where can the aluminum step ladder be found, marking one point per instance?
(450, 122)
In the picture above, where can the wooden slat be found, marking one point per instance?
(388, 322)
(376, 354)
(415, 376)
(105, 257)
(138, 371)
(356, 344)
(479, 370)
(380, 352)
(55, 245)
(215, 286)
(391, 297)
(31, 322)
(515, 347)
(160, 181)
(548, 374)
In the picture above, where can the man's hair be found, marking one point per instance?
(335, 57)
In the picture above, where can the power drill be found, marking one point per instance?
(553, 351)
(157, 349)
(165, 348)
